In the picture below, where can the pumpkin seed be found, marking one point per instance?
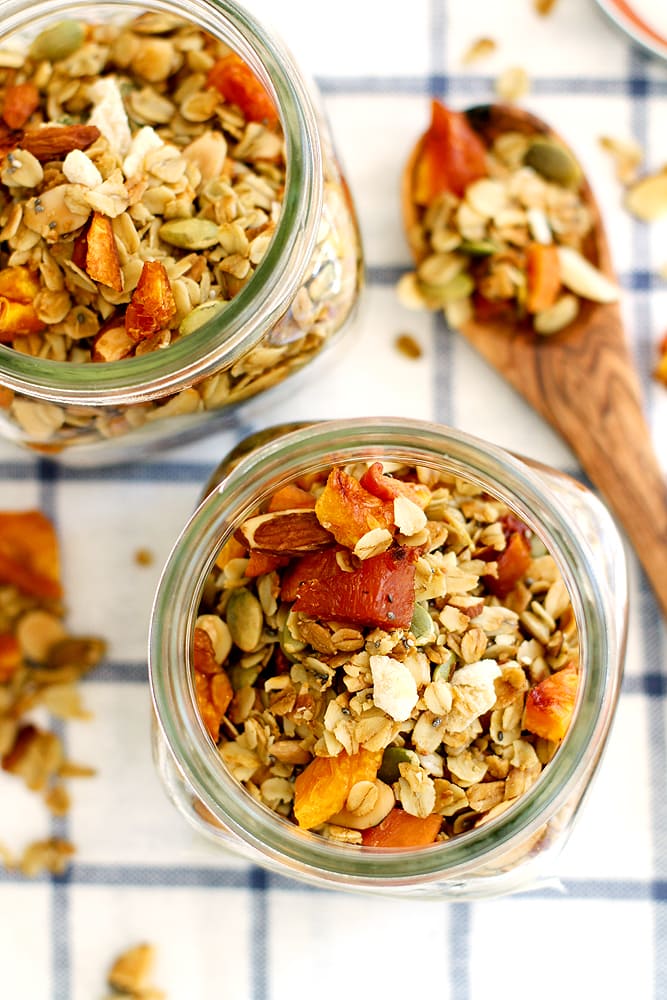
(478, 248)
(553, 162)
(245, 619)
(190, 234)
(391, 758)
(459, 287)
(422, 626)
(201, 315)
(58, 41)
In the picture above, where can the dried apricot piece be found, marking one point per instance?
(232, 77)
(101, 260)
(550, 704)
(291, 497)
(380, 593)
(19, 284)
(152, 304)
(213, 688)
(322, 788)
(387, 488)
(264, 562)
(401, 829)
(348, 510)
(17, 319)
(542, 276)
(10, 656)
(29, 556)
(451, 156)
(512, 562)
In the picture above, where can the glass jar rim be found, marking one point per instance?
(193, 555)
(277, 278)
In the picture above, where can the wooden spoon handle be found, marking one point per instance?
(588, 390)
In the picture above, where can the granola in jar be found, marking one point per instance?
(145, 176)
(385, 655)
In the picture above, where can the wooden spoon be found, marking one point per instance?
(582, 379)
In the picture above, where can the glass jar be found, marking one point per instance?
(509, 852)
(306, 280)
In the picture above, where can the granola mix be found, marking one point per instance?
(40, 667)
(499, 230)
(142, 176)
(385, 655)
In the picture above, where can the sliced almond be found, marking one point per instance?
(581, 277)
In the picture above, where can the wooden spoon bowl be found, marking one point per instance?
(582, 380)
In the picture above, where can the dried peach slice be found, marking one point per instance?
(550, 704)
(152, 304)
(233, 78)
(29, 556)
(101, 261)
(322, 788)
(349, 511)
(401, 829)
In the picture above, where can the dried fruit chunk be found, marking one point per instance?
(17, 319)
(29, 556)
(10, 656)
(21, 100)
(322, 788)
(213, 688)
(19, 284)
(543, 276)
(512, 564)
(381, 593)
(550, 704)
(387, 488)
(661, 368)
(234, 79)
(97, 254)
(291, 497)
(152, 304)
(264, 562)
(54, 142)
(451, 156)
(349, 511)
(401, 829)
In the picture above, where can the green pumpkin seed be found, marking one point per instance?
(553, 162)
(289, 645)
(422, 626)
(243, 676)
(200, 315)
(478, 248)
(391, 758)
(190, 234)
(58, 41)
(444, 670)
(245, 619)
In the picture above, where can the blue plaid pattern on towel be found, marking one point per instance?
(224, 929)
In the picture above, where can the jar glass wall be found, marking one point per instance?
(250, 217)
(511, 850)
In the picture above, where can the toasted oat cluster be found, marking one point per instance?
(385, 655)
(499, 229)
(40, 666)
